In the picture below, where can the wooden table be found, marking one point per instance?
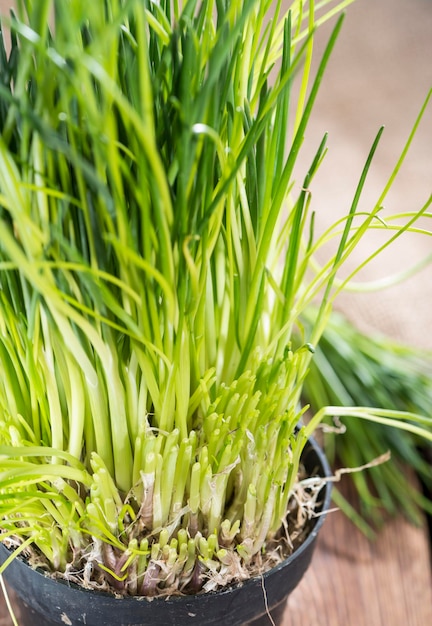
(353, 582)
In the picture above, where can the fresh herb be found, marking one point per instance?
(156, 257)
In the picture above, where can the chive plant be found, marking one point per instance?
(350, 368)
(156, 256)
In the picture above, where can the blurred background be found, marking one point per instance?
(379, 74)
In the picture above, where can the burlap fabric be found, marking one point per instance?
(380, 73)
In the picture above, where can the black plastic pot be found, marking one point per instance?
(45, 602)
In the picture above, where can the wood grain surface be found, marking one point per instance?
(355, 582)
